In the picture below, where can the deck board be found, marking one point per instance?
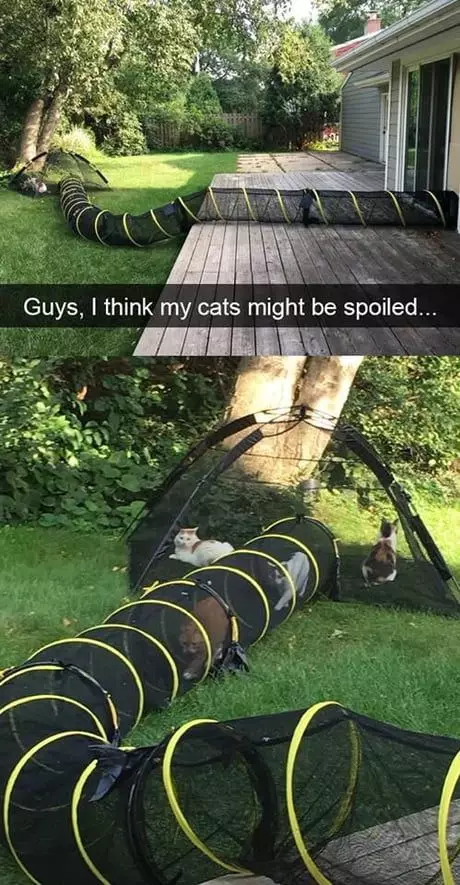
(220, 255)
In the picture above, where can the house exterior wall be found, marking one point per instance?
(361, 117)
(442, 43)
(453, 169)
(394, 127)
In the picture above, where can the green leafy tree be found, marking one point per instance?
(302, 89)
(343, 20)
(70, 52)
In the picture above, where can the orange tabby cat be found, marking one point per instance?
(215, 621)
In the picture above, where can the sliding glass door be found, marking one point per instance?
(428, 100)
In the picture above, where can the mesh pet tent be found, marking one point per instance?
(209, 489)
(44, 173)
(421, 208)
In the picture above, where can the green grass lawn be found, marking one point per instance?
(398, 666)
(36, 246)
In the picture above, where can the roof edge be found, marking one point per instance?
(372, 47)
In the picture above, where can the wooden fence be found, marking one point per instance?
(251, 125)
(168, 135)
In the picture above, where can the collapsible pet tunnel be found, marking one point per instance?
(421, 208)
(318, 796)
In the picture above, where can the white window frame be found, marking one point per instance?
(403, 107)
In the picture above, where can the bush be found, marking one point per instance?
(202, 96)
(77, 139)
(171, 116)
(84, 444)
(408, 409)
(208, 132)
(123, 135)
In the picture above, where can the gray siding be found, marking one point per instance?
(361, 118)
(393, 132)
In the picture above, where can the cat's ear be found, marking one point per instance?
(195, 529)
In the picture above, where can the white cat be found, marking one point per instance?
(189, 548)
(298, 567)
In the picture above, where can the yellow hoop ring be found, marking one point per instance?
(184, 611)
(174, 802)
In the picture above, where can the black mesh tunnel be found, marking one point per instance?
(418, 209)
(110, 667)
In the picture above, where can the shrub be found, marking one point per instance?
(123, 135)
(78, 139)
(202, 96)
(208, 132)
(84, 444)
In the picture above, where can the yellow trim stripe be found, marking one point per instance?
(76, 797)
(61, 669)
(183, 611)
(214, 203)
(56, 697)
(113, 651)
(167, 654)
(77, 221)
(357, 207)
(13, 778)
(157, 586)
(7, 678)
(439, 207)
(125, 225)
(67, 210)
(283, 208)
(174, 802)
(294, 747)
(347, 802)
(160, 226)
(73, 194)
(248, 203)
(189, 211)
(449, 788)
(96, 222)
(320, 206)
(398, 207)
(251, 580)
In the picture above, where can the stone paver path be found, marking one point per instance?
(304, 161)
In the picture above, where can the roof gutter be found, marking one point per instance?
(436, 11)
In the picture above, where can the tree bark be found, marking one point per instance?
(322, 383)
(31, 131)
(50, 121)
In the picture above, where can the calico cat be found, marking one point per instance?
(380, 566)
(189, 548)
(298, 567)
(215, 621)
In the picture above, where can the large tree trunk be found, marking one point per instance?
(31, 131)
(323, 383)
(51, 120)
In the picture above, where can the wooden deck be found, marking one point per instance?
(253, 256)
(399, 851)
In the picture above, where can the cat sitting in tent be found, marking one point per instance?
(188, 547)
(380, 565)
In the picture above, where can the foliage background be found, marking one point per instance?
(82, 444)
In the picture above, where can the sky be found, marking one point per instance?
(302, 9)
